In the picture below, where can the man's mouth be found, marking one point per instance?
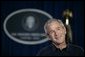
(57, 37)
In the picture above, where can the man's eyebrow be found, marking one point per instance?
(58, 27)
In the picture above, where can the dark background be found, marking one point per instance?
(55, 8)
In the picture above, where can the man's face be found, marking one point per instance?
(57, 32)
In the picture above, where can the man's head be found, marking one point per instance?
(55, 30)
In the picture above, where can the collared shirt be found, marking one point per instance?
(70, 50)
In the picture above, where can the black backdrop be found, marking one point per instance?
(55, 8)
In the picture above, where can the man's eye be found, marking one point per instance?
(58, 29)
(51, 32)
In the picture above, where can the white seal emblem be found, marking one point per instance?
(26, 26)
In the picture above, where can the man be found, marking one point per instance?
(59, 46)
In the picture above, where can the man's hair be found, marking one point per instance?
(68, 36)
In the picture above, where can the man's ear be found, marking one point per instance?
(65, 29)
(47, 35)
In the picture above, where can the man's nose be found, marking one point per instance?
(56, 33)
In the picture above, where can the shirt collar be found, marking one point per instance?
(54, 48)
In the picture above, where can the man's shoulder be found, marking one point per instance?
(45, 50)
(76, 48)
(46, 47)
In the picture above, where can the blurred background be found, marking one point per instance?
(55, 9)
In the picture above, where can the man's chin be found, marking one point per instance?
(58, 42)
